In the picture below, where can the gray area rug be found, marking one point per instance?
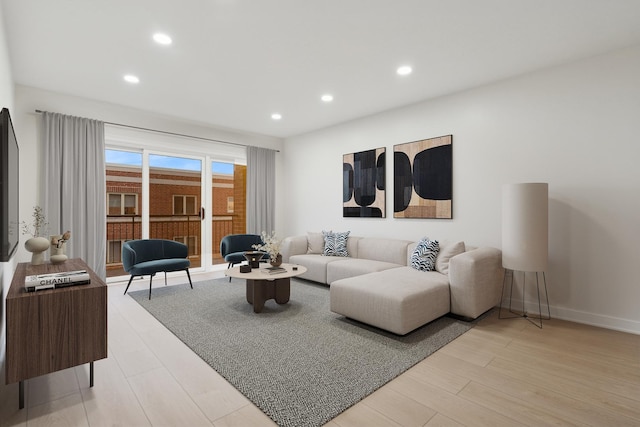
(301, 364)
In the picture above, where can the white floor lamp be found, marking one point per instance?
(525, 241)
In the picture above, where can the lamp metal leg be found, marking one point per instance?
(504, 285)
(546, 294)
(524, 313)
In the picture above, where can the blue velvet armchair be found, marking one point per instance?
(150, 256)
(233, 247)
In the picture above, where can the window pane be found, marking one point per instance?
(229, 202)
(174, 187)
(193, 245)
(178, 205)
(222, 168)
(190, 203)
(114, 200)
(178, 163)
(123, 157)
(123, 185)
(114, 204)
(130, 204)
(114, 252)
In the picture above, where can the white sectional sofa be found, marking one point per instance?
(376, 284)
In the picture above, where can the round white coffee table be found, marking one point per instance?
(263, 285)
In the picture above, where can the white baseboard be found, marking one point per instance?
(602, 321)
(609, 322)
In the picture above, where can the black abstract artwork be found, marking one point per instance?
(363, 184)
(423, 178)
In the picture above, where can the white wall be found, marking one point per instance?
(6, 81)
(575, 127)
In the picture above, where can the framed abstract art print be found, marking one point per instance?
(423, 178)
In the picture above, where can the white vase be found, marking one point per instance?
(37, 246)
(58, 255)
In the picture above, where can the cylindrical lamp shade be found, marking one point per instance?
(525, 226)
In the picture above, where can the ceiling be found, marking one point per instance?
(235, 62)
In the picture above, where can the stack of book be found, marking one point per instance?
(276, 270)
(56, 280)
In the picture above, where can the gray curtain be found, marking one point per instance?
(261, 193)
(74, 185)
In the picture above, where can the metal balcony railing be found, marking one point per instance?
(183, 228)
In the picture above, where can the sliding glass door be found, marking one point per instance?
(175, 187)
(176, 208)
(160, 196)
(228, 196)
(154, 196)
(124, 204)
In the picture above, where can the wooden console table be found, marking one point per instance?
(54, 329)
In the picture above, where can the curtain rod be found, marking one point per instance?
(171, 133)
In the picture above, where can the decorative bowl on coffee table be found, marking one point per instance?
(254, 258)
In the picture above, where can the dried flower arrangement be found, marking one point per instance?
(270, 245)
(38, 225)
(58, 242)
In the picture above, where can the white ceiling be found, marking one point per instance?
(235, 62)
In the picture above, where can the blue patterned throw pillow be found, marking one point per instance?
(424, 255)
(335, 244)
(328, 240)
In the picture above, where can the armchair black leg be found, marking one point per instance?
(228, 267)
(165, 278)
(189, 276)
(130, 279)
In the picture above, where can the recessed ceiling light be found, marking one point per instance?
(404, 70)
(130, 78)
(276, 116)
(161, 38)
(327, 98)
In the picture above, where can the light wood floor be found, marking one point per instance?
(502, 372)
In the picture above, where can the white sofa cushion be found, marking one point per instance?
(387, 250)
(315, 243)
(316, 265)
(354, 267)
(447, 251)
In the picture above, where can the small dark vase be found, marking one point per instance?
(277, 261)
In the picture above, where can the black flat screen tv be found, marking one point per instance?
(9, 188)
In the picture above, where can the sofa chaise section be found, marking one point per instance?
(398, 300)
